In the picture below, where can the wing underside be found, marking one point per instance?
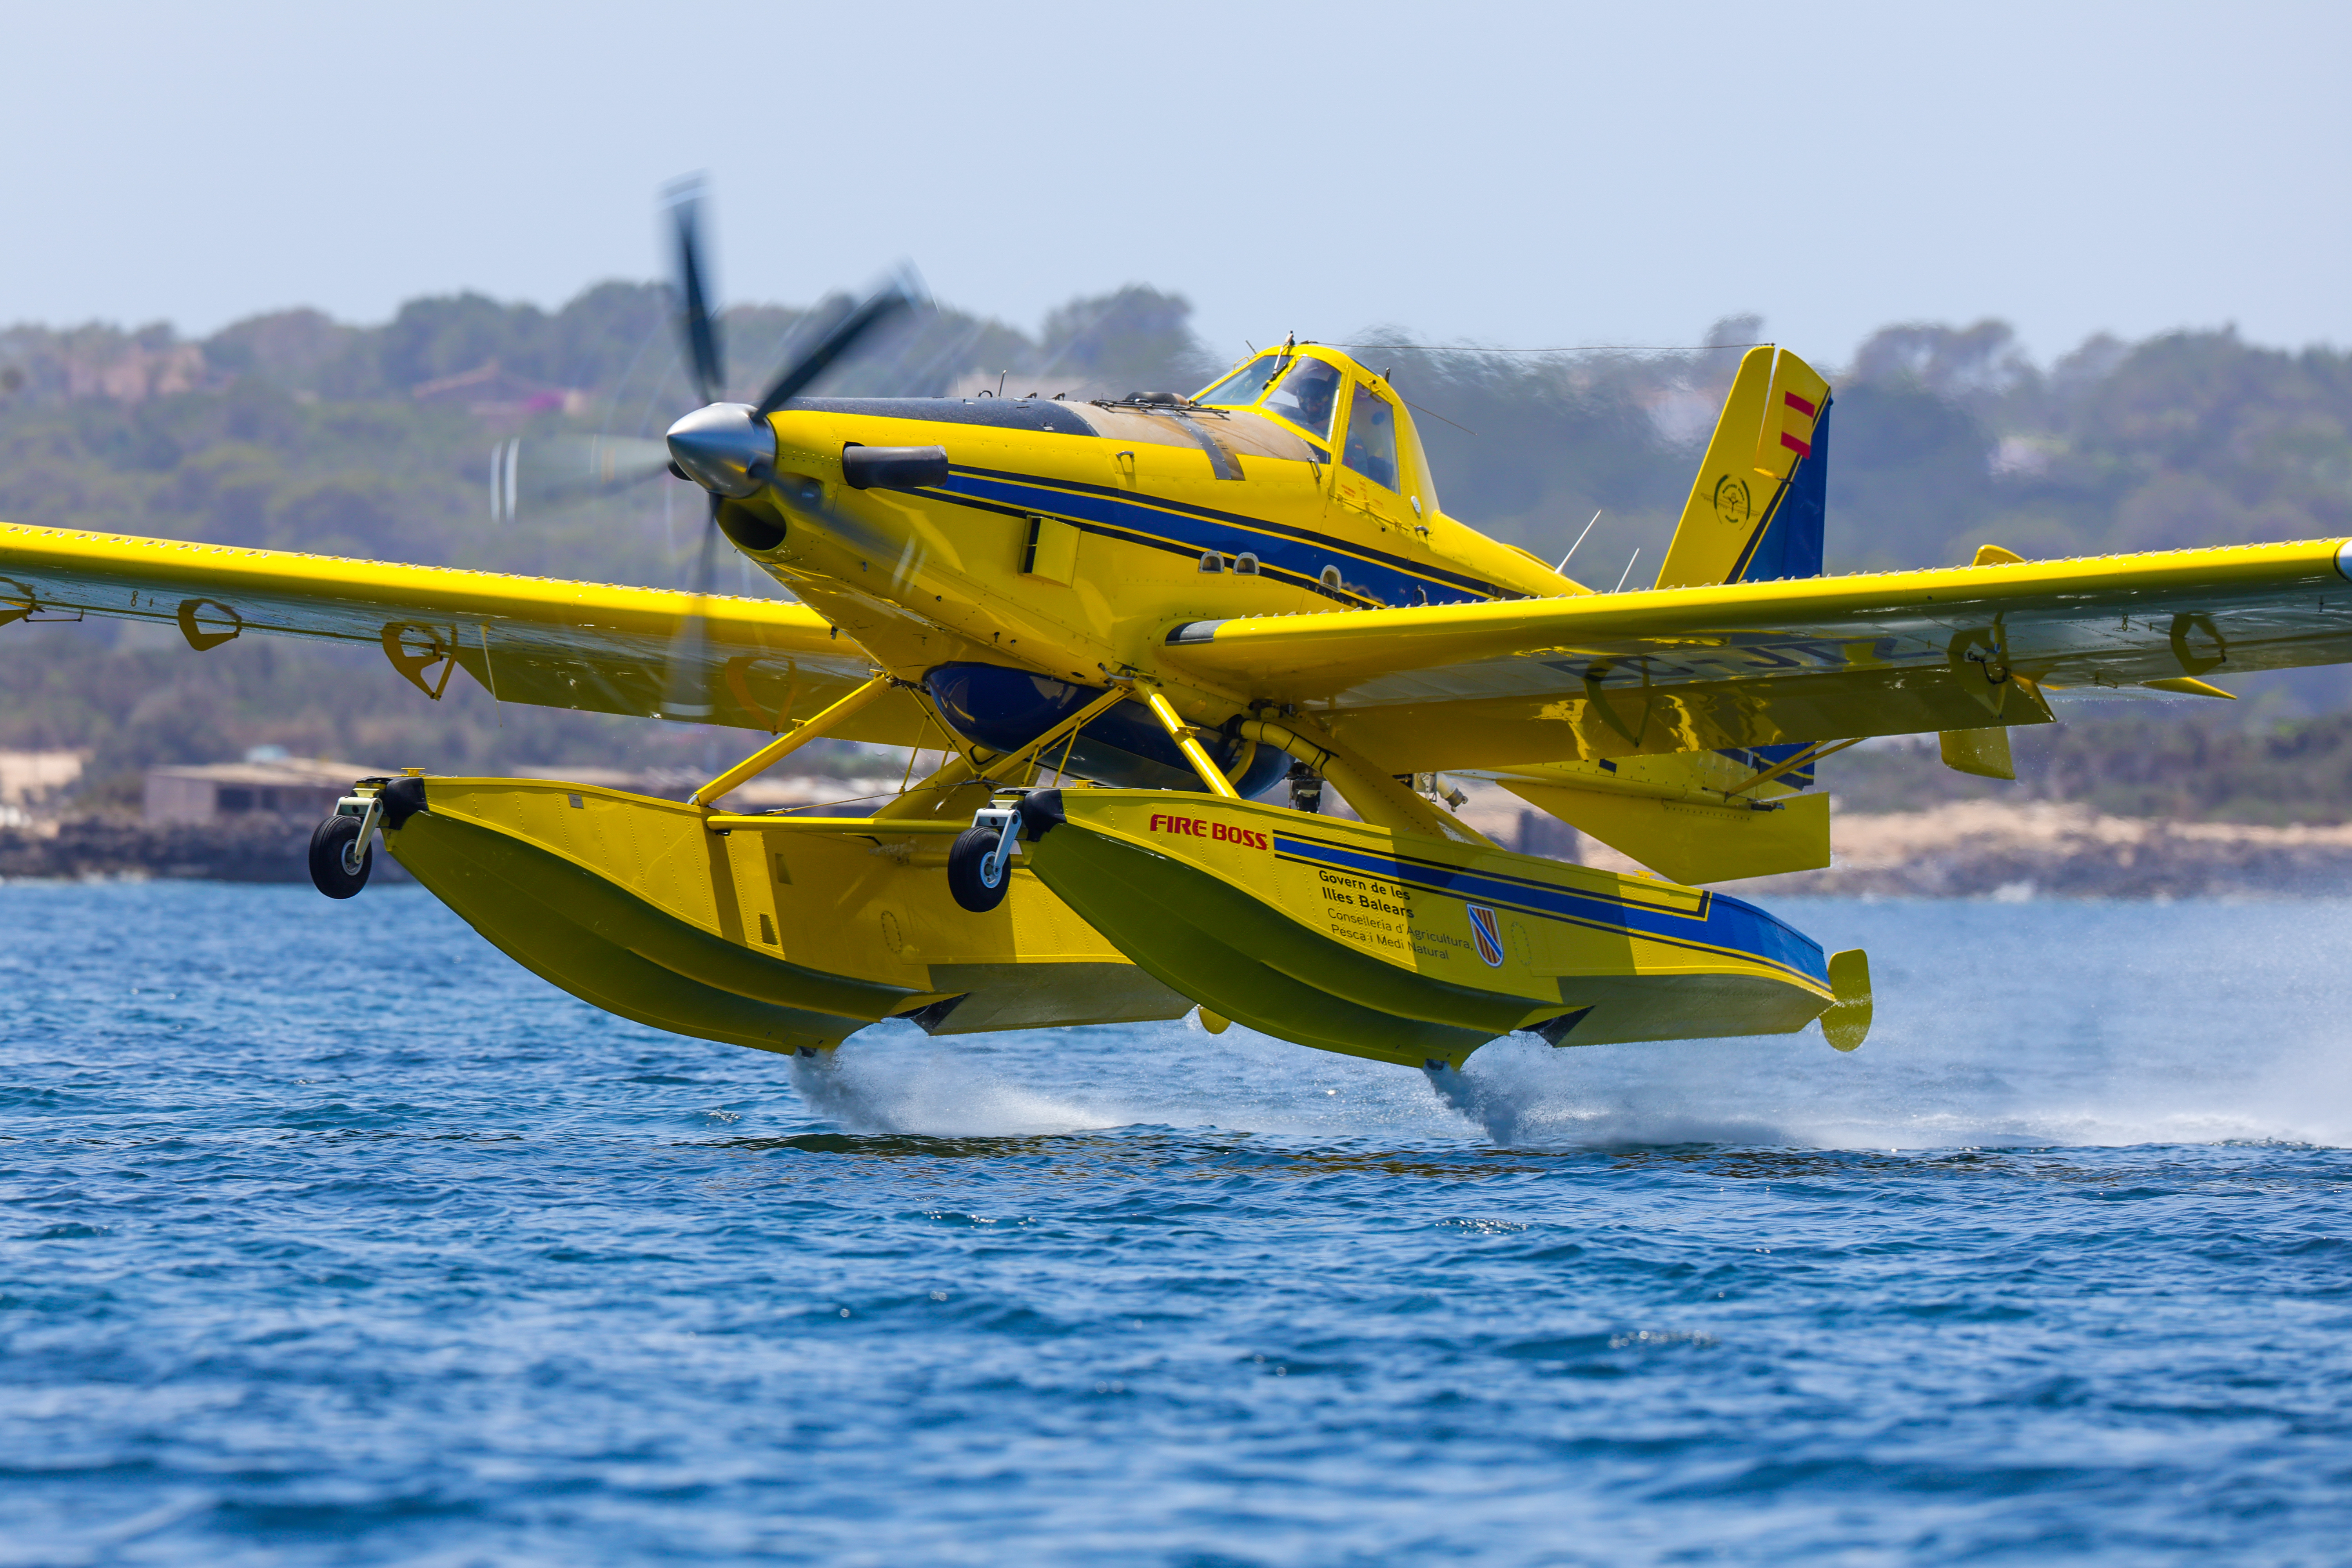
(1764, 663)
(538, 641)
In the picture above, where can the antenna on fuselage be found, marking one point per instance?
(1628, 570)
(1562, 569)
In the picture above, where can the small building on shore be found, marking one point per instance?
(30, 783)
(768, 792)
(300, 787)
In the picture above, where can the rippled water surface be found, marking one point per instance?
(331, 1237)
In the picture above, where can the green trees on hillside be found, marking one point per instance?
(2185, 439)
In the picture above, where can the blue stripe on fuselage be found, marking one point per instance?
(1293, 552)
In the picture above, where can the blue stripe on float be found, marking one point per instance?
(1724, 924)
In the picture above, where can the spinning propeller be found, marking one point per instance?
(727, 449)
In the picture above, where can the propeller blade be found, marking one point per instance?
(686, 685)
(900, 294)
(704, 355)
(529, 474)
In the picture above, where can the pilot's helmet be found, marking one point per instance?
(1314, 385)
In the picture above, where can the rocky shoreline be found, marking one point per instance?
(2039, 849)
(256, 848)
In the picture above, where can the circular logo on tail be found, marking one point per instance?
(1731, 502)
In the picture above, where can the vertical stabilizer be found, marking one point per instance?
(1755, 509)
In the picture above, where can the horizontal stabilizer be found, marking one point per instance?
(1692, 841)
(1984, 752)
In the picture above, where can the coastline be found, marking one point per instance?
(260, 848)
(2046, 849)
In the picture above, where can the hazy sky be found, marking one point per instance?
(1516, 173)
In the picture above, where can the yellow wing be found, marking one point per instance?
(1758, 663)
(535, 640)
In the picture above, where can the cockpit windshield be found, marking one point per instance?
(1246, 385)
(1306, 396)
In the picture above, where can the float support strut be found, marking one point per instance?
(1806, 758)
(785, 744)
(1060, 732)
(1195, 753)
(1378, 798)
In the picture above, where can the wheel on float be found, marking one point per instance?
(339, 864)
(968, 867)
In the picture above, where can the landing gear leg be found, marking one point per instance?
(341, 851)
(1306, 789)
(979, 869)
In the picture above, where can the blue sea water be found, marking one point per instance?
(327, 1236)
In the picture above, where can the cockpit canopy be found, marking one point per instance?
(1309, 392)
(1298, 389)
(1246, 385)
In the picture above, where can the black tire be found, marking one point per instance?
(968, 870)
(329, 842)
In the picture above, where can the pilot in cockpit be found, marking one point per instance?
(1306, 396)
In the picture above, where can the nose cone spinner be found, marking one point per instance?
(725, 448)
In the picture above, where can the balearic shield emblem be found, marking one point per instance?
(1732, 501)
(1484, 933)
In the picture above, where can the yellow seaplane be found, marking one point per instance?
(1147, 635)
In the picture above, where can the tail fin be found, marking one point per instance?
(1754, 515)
(1754, 511)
